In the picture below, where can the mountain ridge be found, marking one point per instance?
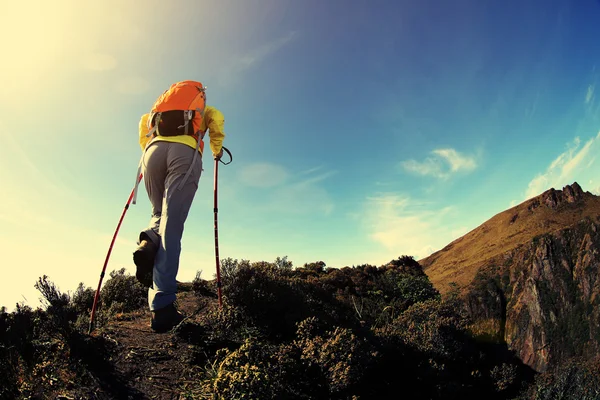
(553, 210)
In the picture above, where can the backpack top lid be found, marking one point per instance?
(185, 95)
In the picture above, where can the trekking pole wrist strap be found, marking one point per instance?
(230, 156)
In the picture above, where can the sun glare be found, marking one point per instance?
(33, 39)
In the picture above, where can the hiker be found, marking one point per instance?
(171, 140)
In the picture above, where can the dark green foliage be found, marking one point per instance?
(275, 299)
(59, 309)
(407, 265)
(244, 373)
(415, 289)
(227, 325)
(340, 356)
(361, 331)
(50, 293)
(123, 292)
(18, 333)
(312, 332)
(318, 364)
(377, 294)
(577, 379)
(486, 301)
(42, 348)
(441, 360)
(202, 287)
(283, 263)
(433, 328)
(504, 376)
(83, 299)
(229, 268)
(485, 288)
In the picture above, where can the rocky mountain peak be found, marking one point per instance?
(553, 198)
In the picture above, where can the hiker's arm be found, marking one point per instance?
(215, 122)
(143, 128)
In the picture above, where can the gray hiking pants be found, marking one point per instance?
(164, 167)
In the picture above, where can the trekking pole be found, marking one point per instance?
(216, 210)
(96, 297)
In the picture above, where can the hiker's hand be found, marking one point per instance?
(218, 156)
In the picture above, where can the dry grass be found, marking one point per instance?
(460, 261)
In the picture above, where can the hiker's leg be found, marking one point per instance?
(175, 207)
(154, 169)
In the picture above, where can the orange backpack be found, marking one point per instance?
(171, 115)
(179, 110)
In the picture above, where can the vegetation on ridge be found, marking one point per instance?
(311, 332)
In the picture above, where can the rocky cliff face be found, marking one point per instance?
(542, 294)
(542, 298)
(556, 198)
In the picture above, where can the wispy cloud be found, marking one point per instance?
(573, 164)
(257, 55)
(590, 94)
(302, 198)
(442, 164)
(316, 178)
(457, 161)
(16, 163)
(530, 110)
(430, 166)
(310, 170)
(290, 193)
(263, 175)
(405, 226)
(304, 194)
(15, 150)
(19, 216)
(252, 58)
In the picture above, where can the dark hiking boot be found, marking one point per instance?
(165, 319)
(143, 257)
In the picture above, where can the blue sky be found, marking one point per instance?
(361, 131)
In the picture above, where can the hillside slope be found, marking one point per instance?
(553, 210)
(530, 276)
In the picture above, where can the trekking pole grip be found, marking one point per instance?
(226, 150)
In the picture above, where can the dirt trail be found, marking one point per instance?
(148, 365)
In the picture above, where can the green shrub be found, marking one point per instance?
(227, 325)
(82, 300)
(378, 294)
(576, 379)
(202, 287)
(504, 376)
(260, 370)
(61, 313)
(283, 263)
(416, 289)
(432, 327)
(123, 292)
(17, 349)
(275, 300)
(244, 373)
(340, 355)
